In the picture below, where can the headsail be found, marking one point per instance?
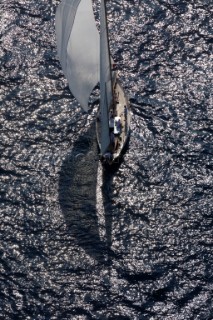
(105, 80)
(78, 44)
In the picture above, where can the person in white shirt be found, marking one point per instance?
(117, 125)
(117, 130)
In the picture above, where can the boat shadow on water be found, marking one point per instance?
(77, 197)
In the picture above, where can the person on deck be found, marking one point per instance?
(107, 157)
(117, 125)
(111, 121)
(117, 130)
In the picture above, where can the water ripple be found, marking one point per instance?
(82, 242)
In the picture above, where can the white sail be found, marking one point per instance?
(105, 80)
(78, 44)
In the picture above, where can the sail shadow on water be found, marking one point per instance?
(85, 63)
(77, 195)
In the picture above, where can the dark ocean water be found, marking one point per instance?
(79, 242)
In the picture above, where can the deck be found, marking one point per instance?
(121, 102)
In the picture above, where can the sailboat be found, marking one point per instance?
(85, 59)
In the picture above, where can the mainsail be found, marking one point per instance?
(78, 44)
(105, 79)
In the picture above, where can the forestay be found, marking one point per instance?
(78, 44)
(105, 80)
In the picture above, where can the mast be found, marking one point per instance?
(106, 91)
(110, 60)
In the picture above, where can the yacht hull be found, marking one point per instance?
(120, 108)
